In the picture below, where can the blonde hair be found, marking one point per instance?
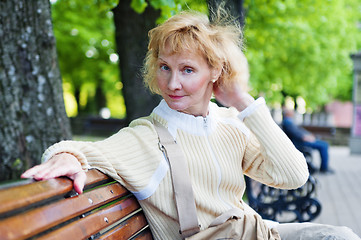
(220, 42)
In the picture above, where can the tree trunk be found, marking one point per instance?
(31, 97)
(132, 41)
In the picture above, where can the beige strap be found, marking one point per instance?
(182, 185)
(231, 213)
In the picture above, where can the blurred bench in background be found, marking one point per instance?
(299, 205)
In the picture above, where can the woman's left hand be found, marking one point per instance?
(233, 96)
(62, 164)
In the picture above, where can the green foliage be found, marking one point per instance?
(302, 48)
(84, 32)
(168, 7)
(17, 164)
(294, 48)
(139, 5)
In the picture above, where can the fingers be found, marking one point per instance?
(57, 166)
(63, 164)
(39, 172)
(220, 95)
(233, 96)
(32, 171)
(79, 181)
(60, 166)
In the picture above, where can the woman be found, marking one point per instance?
(189, 59)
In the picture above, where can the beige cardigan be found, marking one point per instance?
(219, 149)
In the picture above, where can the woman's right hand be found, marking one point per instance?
(62, 164)
(233, 96)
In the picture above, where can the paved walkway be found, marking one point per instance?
(340, 193)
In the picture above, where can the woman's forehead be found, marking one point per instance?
(174, 47)
(186, 57)
(182, 52)
(171, 49)
(180, 42)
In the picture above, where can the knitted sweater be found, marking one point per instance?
(219, 149)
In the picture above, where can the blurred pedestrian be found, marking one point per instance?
(302, 138)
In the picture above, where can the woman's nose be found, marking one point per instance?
(173, 82)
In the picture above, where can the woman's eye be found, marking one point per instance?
(188, 70)
(164, 67)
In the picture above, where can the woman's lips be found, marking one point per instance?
(175, 97)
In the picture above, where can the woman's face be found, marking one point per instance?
(184, 80)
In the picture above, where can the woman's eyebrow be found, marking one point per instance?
(161, 59)
(189, 63)
(185, 62)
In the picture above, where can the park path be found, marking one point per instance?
(340, 193)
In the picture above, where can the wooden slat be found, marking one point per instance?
(144, 235)
(94, 223)
(29, 209)
(94, 176)
(126, 229)
(17, 197)
(35, 221)
(24, 195)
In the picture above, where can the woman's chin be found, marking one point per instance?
(176, 106)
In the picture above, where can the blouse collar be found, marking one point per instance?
(199, 125)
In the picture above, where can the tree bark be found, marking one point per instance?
(31, 97)
(132, 41)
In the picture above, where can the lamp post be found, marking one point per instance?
(355, 140)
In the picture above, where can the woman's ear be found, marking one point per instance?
(215, 74)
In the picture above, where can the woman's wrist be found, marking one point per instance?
(251, 108)
(244, 102)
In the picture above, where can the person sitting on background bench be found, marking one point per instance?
(302, 138)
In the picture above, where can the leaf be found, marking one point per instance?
(106, 5)
(139, 5)
(157, 4)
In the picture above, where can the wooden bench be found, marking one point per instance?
(299, 205)
(321, 131)
(106, 210)
(52, 210)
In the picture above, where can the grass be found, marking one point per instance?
(89, 138)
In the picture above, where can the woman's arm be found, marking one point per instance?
(270, 156)
(123, 156)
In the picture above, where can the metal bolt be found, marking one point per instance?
(111, 191)
(90, 201)
(106, 220)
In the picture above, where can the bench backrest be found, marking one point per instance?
(52, 210)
